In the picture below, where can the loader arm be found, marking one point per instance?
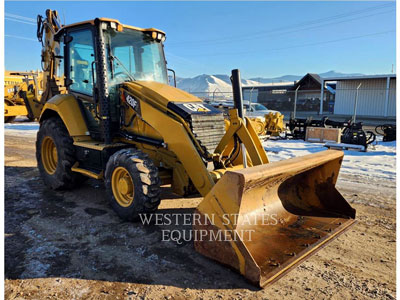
(179, 142)
(247, 136)
(158, 109)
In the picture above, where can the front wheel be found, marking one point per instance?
(55, 155)
(8, 119)
(132, 183)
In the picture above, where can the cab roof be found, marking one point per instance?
(91, 22)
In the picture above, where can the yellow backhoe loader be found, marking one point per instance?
(21, 95)
(111, 114)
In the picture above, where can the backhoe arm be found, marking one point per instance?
(46, 32)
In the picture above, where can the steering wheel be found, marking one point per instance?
(122, 73)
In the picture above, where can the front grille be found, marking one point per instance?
(208, 130)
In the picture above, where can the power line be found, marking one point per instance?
(292, 31)
(20, 37)
(339, 22)
(301, 24)
(334, 17)
(296, 46)
(20, 21)
(20, 17)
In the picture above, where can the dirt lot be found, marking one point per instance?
(71, 245)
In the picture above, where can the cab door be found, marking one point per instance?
(81, 75)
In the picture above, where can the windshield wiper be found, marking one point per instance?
(123, 66)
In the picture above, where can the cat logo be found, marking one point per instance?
(198, 107)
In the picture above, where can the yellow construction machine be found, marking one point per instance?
(21, 95)
(271, 124)
(110, 114)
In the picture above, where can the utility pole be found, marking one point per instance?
(355, 104)
(251, 94)
(295, 102)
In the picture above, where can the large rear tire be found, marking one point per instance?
(9, 119)
(55, 155)
(132, 183)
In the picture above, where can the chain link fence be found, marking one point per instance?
(280, 100)
(370, 101)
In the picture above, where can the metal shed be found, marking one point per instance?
(376, 95)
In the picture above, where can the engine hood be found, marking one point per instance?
(159, 92)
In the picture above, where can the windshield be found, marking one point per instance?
(135, 56)
(259, 107)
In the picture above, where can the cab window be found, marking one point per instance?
(81, 54)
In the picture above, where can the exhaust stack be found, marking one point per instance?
(238, 102)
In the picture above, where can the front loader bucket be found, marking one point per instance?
(264, 220)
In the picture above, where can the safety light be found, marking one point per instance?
(158, 36)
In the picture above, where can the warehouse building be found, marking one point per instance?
(282, 96)
(273, 95)
(376, 95)
(309, 93)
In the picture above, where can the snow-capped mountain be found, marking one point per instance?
(203, 83)
(285, 78)
(291, 78)
(208, 83)
(221, 83)
(338, 74)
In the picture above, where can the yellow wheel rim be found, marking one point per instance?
(122, 186)
(258, 127)
(49, 155)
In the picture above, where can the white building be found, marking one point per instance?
(376, 95)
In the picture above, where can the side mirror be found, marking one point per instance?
(174, 76)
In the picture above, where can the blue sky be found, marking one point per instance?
(263, 39)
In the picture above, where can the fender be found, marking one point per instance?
(67, 108)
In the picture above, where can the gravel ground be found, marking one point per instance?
(71, 245)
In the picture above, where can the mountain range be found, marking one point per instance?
(221, 83)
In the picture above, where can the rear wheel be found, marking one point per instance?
(132, 184)
(9, 119)
(55, 155)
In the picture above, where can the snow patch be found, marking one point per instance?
(378, 162)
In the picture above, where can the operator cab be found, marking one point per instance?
(96, 56)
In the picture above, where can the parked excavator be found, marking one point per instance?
(109, 113)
